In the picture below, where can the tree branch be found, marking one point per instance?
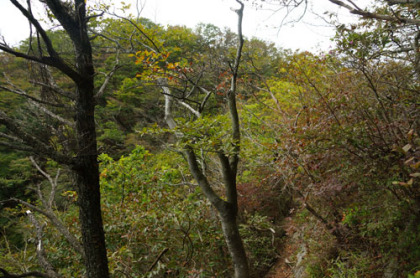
(40, 252)
(400, 2)
(108, 77)
(158, 259)
(56, 89)
(56, 222)
(24, 94)
(186, 105)
(54, 60)
(229, 180)
(371, 15)
(27, 274)
(48, 212)
(53, 183)
(155, 47)
(22, 147)
(52, 114)
(36, 145)
(10, 137)
(205, 99)
(202, 180)
(231, 96)
(189, 152)
(42, 60)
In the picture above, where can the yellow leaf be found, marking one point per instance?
(406, 148)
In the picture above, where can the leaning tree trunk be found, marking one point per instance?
(234, 243)
(227, 210)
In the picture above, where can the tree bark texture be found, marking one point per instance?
(83, 161)
(235, 245)
(87, 180)
(87, 168)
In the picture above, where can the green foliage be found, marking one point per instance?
(148, 207)
(416, 275)
(340, 269)
(339, 131)
(259, 238)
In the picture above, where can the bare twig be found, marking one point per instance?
(36, 145)
(51, 114)
(158, 259)
(42, 256)
(400, 2)
(367, 14)
(7, 274)
(108, 77)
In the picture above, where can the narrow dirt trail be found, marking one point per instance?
(283, 268)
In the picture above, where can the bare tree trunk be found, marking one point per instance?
(234, 243)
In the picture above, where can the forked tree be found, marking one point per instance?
(226, 204)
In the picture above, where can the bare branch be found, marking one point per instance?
(158, 259)
(202, 180)
(54, 59)
(205, 99)
(366, 14)
(168, 100)
(189, 152)
(33, 143)
(27, 274)
(17, 147)
(48, 212)
(28, 14)
(72, 240)
(155, 48)
(400, 2)
(14, 89)
(48, 177)
(231, 96)
(24, 94)
(94, 16)
(117, 43)
(168, 104)
(42, 60)
(54, 185)
(186, 105)
(51, 114)
(56, 89)
(108, 77)
(40, 252)
(10, 137)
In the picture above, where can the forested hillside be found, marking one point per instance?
(132, 149)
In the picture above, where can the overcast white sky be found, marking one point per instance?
(310, 33)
